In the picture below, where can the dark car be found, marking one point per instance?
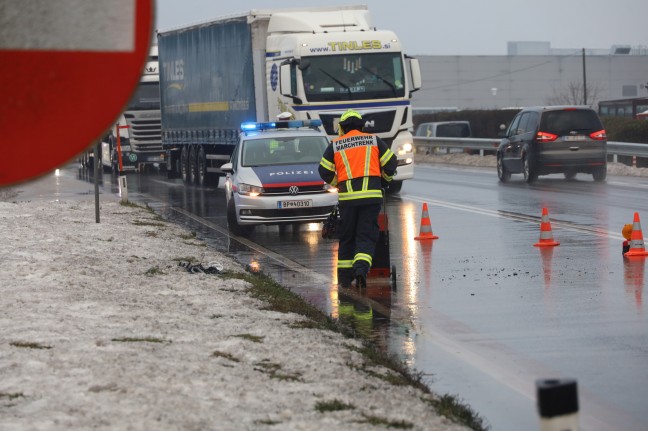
(553, 139)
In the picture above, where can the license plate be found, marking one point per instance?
(295, 204)
(574, 138)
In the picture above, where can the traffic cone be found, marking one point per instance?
(426, 226)
(546, 237)
(637, 247)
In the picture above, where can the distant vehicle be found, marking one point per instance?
(553, 139)
(272, 177)
(139, 131)
(313, 62)
(445, 129)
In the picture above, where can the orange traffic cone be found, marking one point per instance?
(546, 237)
(637, 247)
(426, 226)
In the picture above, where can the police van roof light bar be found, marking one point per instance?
(292, 124)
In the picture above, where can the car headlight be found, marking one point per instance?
(407, 147)
(330, 188)
(249, 190)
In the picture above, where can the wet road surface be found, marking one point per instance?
(480, 311)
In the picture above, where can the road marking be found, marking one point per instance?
(517, 217)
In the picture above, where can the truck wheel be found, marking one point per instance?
(184, 165)
(193, 165)
(201, 167)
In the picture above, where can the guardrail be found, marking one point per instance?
(614, 148)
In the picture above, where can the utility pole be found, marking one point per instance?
(584, 80)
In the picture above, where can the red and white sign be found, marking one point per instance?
(67, 70)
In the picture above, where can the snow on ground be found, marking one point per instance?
(101, 329)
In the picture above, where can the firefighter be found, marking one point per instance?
(359, 165)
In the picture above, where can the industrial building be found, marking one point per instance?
(532, 73)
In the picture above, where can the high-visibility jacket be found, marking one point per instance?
(358, 164)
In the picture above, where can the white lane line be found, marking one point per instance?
(518, 217)
(68, 25)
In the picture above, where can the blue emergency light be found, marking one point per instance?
(292, 124)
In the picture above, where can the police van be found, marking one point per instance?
(272, 176)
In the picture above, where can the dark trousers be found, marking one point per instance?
(358, 232)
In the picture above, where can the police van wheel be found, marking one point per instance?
(233, 224)
(395, 187)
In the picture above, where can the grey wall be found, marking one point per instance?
(466, 82)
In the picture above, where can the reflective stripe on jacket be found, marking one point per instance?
(357, 163)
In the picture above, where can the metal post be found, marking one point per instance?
(96, 180)
(584, 80)
(123, 183)
(557, 404)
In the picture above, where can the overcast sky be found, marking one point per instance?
(463, 27)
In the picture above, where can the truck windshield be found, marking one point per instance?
(146, 97)
(353, 77)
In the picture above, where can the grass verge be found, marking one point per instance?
(281, 299)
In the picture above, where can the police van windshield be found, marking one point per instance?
(283, 150)
(353, 77)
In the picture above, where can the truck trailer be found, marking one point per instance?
(313, 62)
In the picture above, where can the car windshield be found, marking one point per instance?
(570, 121)
(353, 77)
(283, 150)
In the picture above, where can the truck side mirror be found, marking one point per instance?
(415, 70)
(286, 81)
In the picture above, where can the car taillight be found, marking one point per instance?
(545, 137)
(599, 136)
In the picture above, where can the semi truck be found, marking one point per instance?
(313, 62)
(138, 126)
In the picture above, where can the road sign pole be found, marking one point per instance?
(96, 180)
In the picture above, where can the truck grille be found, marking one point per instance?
(145, 131)
(377, 122)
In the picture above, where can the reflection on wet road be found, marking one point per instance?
(480, 311)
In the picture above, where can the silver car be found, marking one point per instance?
(272, 177)
(553, 139)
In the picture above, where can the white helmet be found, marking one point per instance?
(285, 116)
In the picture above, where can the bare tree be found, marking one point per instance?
(573, 95)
